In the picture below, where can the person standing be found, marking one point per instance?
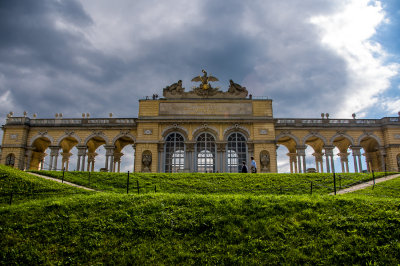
(244, 167)
(253, 165)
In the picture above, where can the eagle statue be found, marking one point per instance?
(205, 85)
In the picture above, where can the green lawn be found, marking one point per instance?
(198, 227)
(256, 184)
(21, 187)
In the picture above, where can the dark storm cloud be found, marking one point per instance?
(100, 57)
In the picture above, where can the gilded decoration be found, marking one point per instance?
(204, 89)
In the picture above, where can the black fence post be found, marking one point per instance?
(62, 180)
(334, 182)
(127, 184)
(155, 188)
(373, 178)
(137, 182)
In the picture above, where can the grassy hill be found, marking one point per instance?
(191, 228)
(22, 187)
(256, 184)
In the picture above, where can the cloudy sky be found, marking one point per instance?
(99, 56)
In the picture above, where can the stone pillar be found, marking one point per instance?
(80, 166)
(134, 159)
(51, 162)
(109, 164)
(117, 161)
(29, 152)
(344, 161)
(221, 148)
(356, 153)
(319, 161)
(54, 151)
(161, 167)
(301, 152)
(65, 160)
(329, 158)
(189, 163)
(383, 156)
(41, 160)
(292, 162)
(91, 160)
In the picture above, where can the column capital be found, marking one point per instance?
(190, 145)
(54, 150)
(221, 146)
(81, 150)
(343, 156)
(318, 156)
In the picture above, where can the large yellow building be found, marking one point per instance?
(203, 130)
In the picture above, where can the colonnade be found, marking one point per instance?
(297, 160)
(85, 159)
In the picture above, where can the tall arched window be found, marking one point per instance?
(10, 160)
(206, 153)
(174, 153)
(236, 152)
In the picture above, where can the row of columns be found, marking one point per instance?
(112, 163)
(297, 161)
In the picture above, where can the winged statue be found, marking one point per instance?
(205, 85)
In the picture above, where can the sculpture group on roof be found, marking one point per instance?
(205, 89)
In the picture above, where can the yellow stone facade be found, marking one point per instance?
(205, 134)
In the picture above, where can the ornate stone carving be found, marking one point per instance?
(237, 89)
(204, 89)
(173, 89)
(146, 161)
(264, 161)
(124, 132)
(42, 133)
(69, 132)
(97, 133)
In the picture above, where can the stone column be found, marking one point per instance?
(117, 161)
(41, 160)
(383, 156)
(329, 158)
(221, 147)
(134, 156)
(292, 162)
(189, 163)
(161, 167)
(344, 161)
(29, 153)
(301, 151)
(51, 162)
(356, 153)
(91, 161)
(80, 165)
(318, 161)
(65, 160)
(109, 164)
(54, 151)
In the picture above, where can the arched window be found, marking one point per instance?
(174, 153)
(10, 160)
(236, 152)
(206, 153)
